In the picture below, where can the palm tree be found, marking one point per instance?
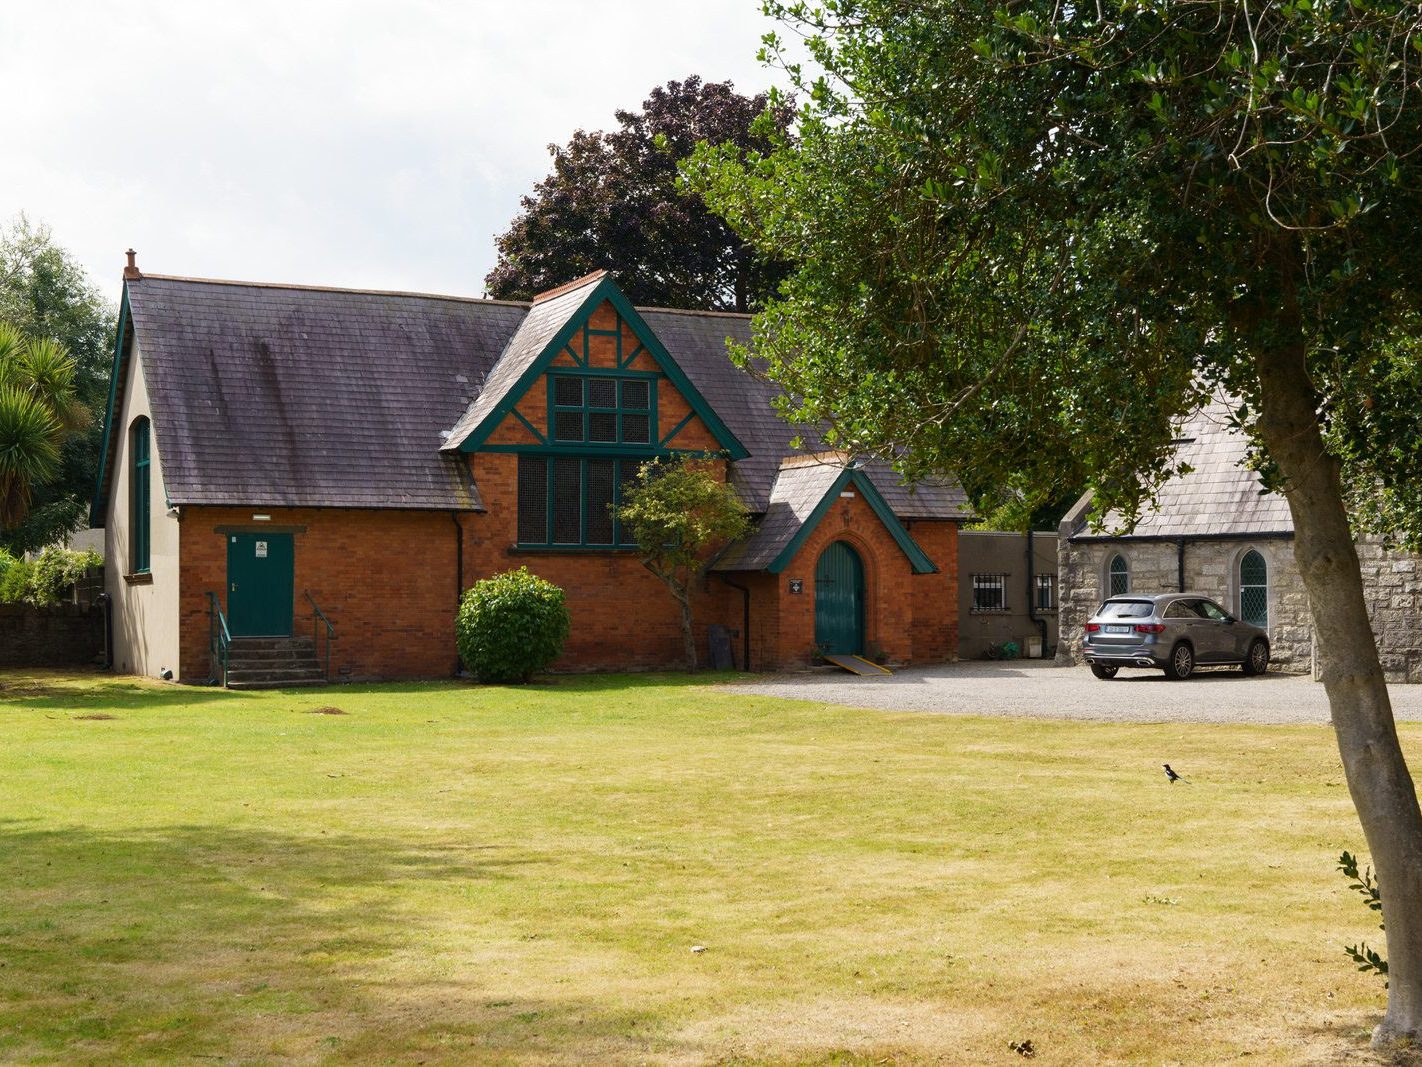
(39, 409)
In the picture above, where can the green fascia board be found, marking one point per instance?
(97, 506)
(607, 289)
(851, 476)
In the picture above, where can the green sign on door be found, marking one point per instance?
(839, 601)
(261, 584)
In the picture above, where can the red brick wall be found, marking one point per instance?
(911, 617)
(386, 579)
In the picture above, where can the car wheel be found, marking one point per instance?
(1182, 662)
(1104, 672)
(1257, 662)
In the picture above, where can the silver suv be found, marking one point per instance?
(1173, 632)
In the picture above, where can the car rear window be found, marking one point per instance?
(1125, 609)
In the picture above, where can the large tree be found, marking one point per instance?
(46, 295)
(1032, 235)
(613, 202)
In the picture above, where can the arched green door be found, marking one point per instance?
(839, 600)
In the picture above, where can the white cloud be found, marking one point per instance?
(367, 144)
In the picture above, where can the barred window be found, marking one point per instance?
(602, 410)
(568, 501)
(989, 592)
(1046, 592)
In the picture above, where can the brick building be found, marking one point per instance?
(282, 458)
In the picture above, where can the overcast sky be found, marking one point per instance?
(377, 145)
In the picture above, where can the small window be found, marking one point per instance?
(1254, 589)
(1046, 592)
(602, 410)
(1119, 574)
(989, 592)
(140, 498)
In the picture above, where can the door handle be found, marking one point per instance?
(234, 587)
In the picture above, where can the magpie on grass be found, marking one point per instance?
(1172, 777)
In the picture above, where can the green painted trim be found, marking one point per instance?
(574, 448)
(531, 428)
(678, 428)
(578, 360)
(851, 476)
(633, 357)
(97, 505)
(604, 333)
(606, 289)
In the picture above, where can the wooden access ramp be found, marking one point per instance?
(856, 664)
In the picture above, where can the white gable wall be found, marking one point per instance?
(145, 612)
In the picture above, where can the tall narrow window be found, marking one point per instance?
(140, 514)
(1254, 589)
(1120, 576)
(1046, 592)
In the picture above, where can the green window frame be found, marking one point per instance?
(140, 496)
(609, 409)
(566, 501)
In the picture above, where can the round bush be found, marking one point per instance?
(510, 626)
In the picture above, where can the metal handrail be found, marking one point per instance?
(317, 613)
(219, 637)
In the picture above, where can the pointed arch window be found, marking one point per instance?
(140, 509)
(1254, 589)
(1118, 575)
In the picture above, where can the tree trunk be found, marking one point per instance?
(1378, 779)
(688, 638)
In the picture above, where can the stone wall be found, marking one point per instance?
(1392, 584)
(65, 635)
(1211, 568)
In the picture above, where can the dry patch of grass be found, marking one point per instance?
(454, 873)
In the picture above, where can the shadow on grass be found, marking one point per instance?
(172, 940)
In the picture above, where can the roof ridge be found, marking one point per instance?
(697, 312)
(568, 287)
(328, 289)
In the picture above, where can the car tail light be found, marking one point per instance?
(1092, 627)
(1149, 628)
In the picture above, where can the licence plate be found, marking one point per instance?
(1117, 629)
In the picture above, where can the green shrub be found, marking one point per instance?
(510, 626)
(43, 581)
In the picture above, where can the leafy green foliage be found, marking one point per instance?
(39, 410)
(44, 580)
(510, 626)
(1028, 238)
(45, 294)
(613, 202)
(1366, 958)
(678, 512)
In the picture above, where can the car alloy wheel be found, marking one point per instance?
(1257, 662)
(1182, 662)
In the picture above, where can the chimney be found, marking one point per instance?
(131, 272)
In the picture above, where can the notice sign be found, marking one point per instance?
(261, 550)
(797, 585)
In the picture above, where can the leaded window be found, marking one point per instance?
(568, 501)
(1119, 574)
(602, 410)
(140, 499)
(989, 592)
(1254, 589)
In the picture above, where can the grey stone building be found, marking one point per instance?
(1216, 532)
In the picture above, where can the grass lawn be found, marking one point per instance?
(447, 873)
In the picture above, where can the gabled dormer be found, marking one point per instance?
(583, 394)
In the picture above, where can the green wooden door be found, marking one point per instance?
(839, 600)
(261, 583)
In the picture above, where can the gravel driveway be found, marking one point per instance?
(1037, 689)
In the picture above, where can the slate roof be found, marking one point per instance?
(273, 395)
(1219, 498)
(544, 319)
(270, 395)
(799, 487)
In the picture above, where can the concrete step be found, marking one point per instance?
(290, 684)
(265, 644)
(270, 655)
(274, 674)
